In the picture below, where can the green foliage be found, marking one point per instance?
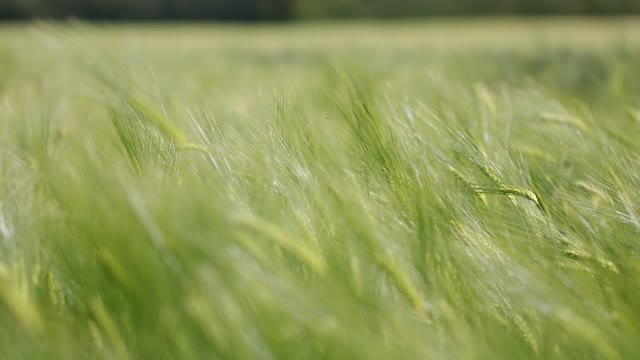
(179, 193)
(287, 9)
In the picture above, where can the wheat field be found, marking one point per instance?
(460, 189)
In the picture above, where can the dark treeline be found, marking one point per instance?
(286, 9)
(148, 9)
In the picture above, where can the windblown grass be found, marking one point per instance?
(271, 199)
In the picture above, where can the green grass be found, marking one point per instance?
(321, 191)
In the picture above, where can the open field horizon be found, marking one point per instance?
(573, 31)
(459, 189)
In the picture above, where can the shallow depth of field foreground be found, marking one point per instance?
(446, 190)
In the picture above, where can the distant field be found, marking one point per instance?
(439, 189)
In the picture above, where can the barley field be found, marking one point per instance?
(459, 189)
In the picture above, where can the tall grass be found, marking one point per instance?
(235, 201)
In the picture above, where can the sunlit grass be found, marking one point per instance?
(408, 191)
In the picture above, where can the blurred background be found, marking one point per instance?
(278, 10)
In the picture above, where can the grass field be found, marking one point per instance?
(447, 189)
